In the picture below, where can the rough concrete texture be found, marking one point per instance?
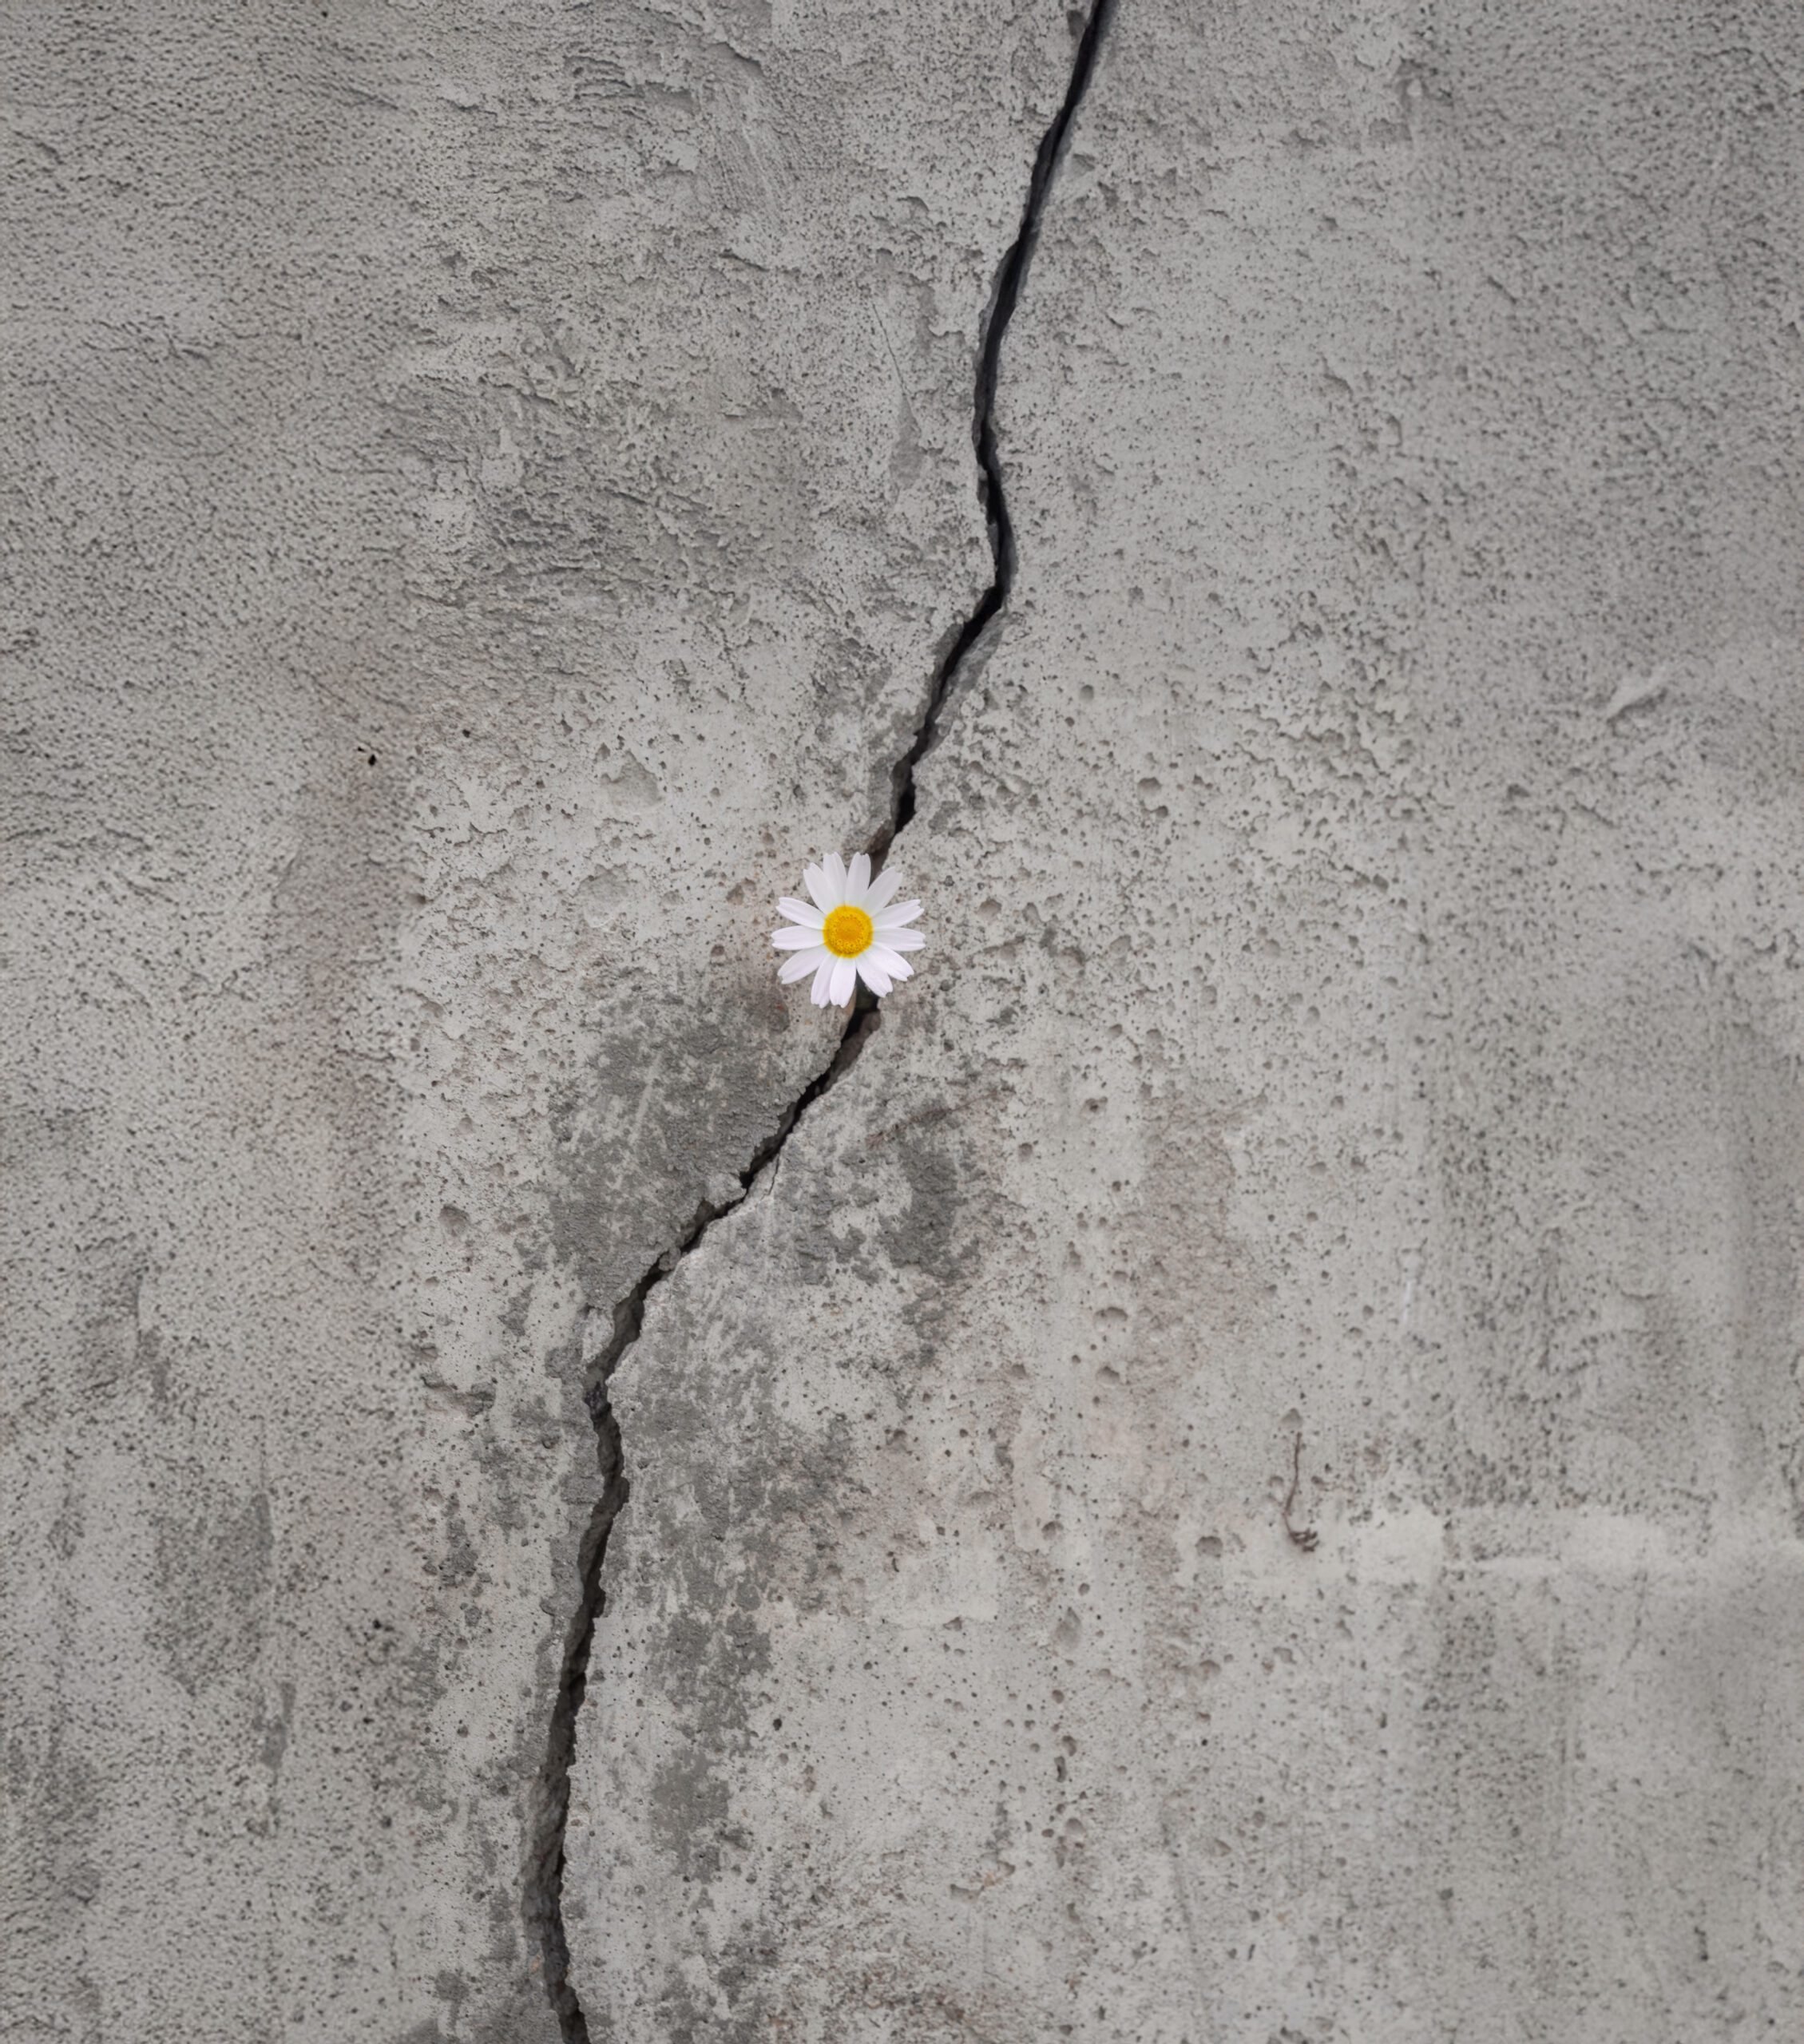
(1364, 875)
(491, 486)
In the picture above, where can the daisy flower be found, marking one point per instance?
(852, 930)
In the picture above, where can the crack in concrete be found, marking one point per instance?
(544, 1873)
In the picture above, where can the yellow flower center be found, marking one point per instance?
(846, 931)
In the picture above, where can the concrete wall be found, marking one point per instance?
(491, 495)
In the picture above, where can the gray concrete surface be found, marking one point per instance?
(488, 484)
(488, 487)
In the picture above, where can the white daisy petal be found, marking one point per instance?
(844, 983)
(873, 975)
(886, 961)
(799, 966)
(818, 884)
(795, 940)
(904, 912)
(801, 912)
(903, 940)
(834, 868)
(857, 881)
(823, 979)
(881, 888)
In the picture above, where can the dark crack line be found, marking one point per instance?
(544, 1872)
(1010, 278)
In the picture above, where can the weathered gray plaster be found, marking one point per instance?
(490, 484)
(1364, 880)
